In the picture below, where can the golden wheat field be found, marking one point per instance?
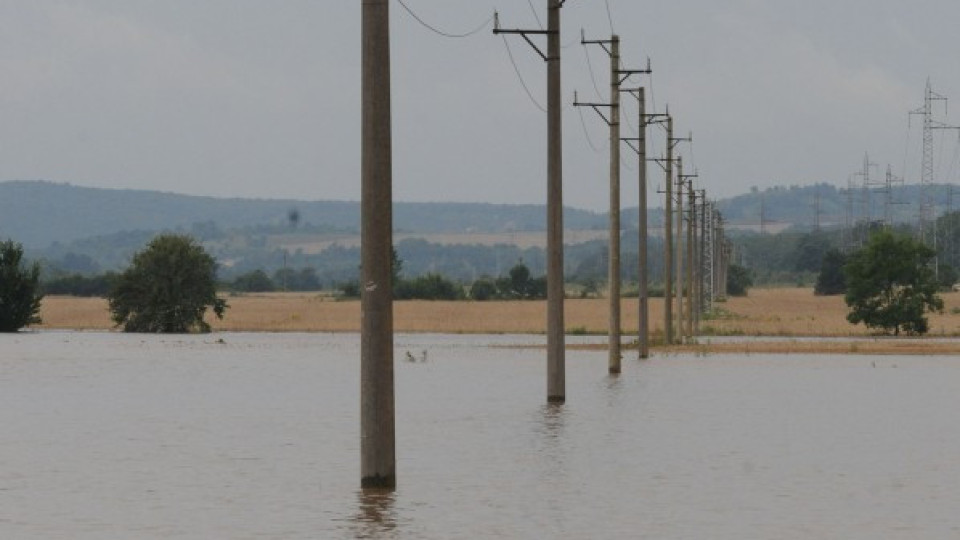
(765, 312)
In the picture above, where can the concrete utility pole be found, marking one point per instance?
(691, 261)
(643, 294)
(556, 374)
(679, 249)
(667, 165)
(668, 232)
(668, 239)
(617, 78)
(684, 267)
(377, 429)
(613, 266)
(719, 258)
(702, 259)
(643, 305)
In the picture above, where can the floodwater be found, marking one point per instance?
(253, 436)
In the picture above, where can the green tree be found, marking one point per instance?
(810, 251)
(483, 289)
(255, 281)
(167, 288)
(891, 285)
(19, 289)
(738, 280)
(520, 280)
(831, 279)
(79, 285)
(427, 287)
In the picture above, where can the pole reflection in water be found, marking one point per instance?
(376, 515)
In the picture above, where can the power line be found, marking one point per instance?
(609, 16)
(629, 125)
(586, 133)
(906, 150)
(535, 16)
(593, 77)
(516, 69)
(441, 32)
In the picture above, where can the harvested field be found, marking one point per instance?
(765, 312)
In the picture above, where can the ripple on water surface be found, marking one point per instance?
(113, 435)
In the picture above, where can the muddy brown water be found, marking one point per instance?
(108, 435)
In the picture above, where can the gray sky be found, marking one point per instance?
(260, 98)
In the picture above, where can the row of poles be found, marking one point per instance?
(699, 274)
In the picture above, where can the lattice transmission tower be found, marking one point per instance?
(927, 208)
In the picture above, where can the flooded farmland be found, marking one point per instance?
(237, 436)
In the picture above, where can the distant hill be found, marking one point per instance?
(796, 206)
(38, 213)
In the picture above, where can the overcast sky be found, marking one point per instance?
(260, 98)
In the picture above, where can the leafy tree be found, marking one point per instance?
(810, 251)
(831, 279)
(483, 289)
(167, 288)
(428, 287)
(255, 281)
(891, 285)
(738, 280)
(350, 289)
(520, 280)
(304, 279)
(19, 289)
(79, 285)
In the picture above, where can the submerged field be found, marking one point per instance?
(256, 435)
(781, 312)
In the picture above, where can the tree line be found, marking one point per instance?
(889, 282)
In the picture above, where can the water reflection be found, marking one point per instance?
(551, 421)
(376, 515)
(613, 385)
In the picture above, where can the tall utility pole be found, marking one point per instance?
(679, 249)
(685, 268)
(691, 261)
(709, 221)
(702, 257)
(668, 238)
(613, 263)
(643, 319)
(667, 164)
(720, 259)
(927, 212)
(617, 78)
(865, 213)
(556, 368)
(377, 429)
(888, 202)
